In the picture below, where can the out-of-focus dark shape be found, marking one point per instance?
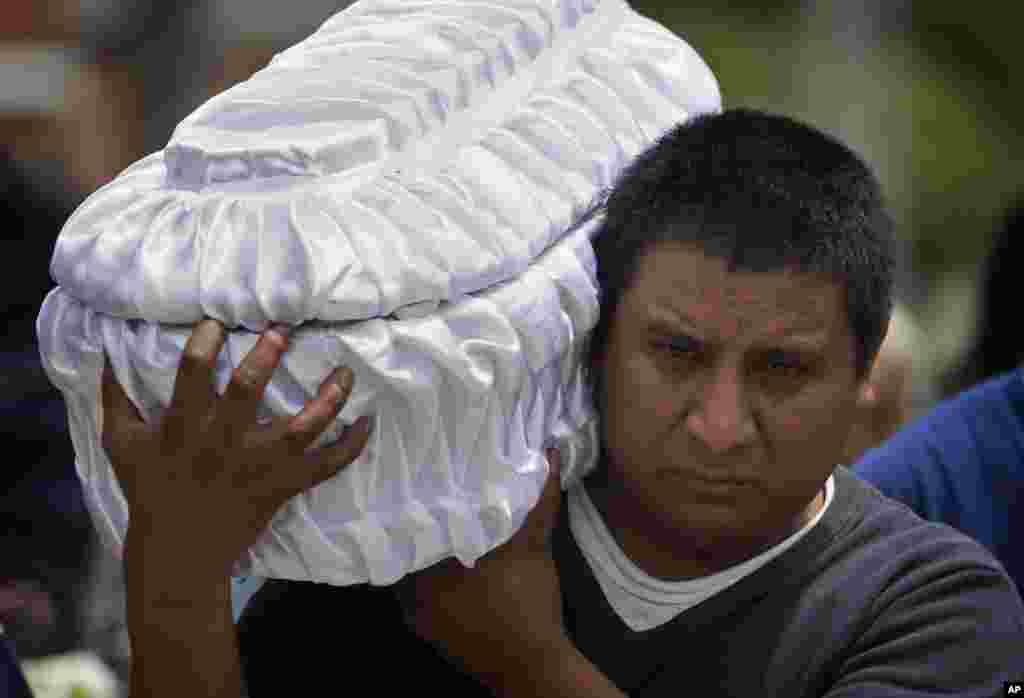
(995, 347)
(150, 58)
(33, 207)
(45, 532)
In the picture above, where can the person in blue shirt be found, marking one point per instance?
(963, 464)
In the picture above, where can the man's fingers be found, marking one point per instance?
(551, 496)
(117, 406)
(292, 438)
(311, 468)
(307, 426)
(237, 410)
(194, 392)
(124, 431)
(332, 458)
(119, 414)
(287, 474)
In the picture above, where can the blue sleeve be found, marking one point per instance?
(913, 466)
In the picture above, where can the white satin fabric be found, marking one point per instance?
(406, 187)
(465, 399)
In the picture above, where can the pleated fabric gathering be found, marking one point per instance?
(408, 188)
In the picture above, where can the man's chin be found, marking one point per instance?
(716, 528)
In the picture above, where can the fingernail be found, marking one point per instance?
(343, 378)
(554, 460)
(207, 336)
(365, 422)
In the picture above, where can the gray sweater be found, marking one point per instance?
(873, 601)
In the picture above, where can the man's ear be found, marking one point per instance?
(867, 393)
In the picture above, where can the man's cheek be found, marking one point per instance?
(647, 389)
(812, 430)
(655, 402)
(664, 407)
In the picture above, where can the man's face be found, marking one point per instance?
(727, 395)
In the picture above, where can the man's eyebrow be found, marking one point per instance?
(799, 340)
(670, 320)
(813, 342)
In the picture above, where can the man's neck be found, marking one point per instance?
(673, 556)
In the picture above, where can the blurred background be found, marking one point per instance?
(922, 89)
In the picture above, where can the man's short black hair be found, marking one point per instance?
(765, 192)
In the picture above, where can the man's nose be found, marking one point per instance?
(721, 417)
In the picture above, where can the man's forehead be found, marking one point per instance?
(680, 287)
(680, 273)
(794, 290)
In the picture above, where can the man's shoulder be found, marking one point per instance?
(894, 599)
(890, 556)
(877, 525)
(876, 551)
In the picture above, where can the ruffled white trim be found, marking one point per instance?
(406, 153)
(466, 399)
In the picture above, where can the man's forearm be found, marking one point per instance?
(560, 672)
(183, 637)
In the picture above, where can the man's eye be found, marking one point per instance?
(678, 348)
(786, 366)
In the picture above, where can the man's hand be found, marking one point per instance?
(503, 615)
(205, 481)
(201, 485)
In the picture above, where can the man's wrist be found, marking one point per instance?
(182, 635)
(160, 580)
(177, 594)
